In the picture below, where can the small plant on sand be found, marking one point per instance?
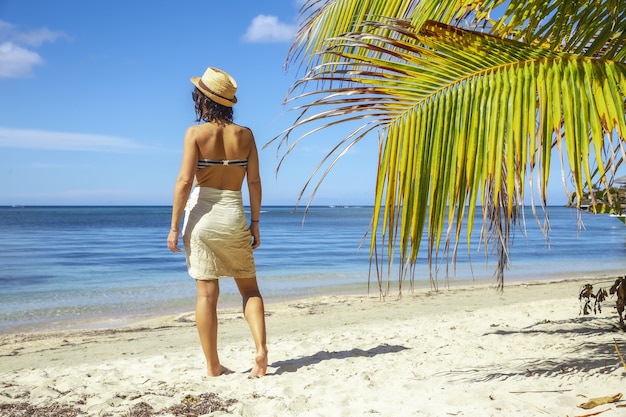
(586, 295)
(618, 289)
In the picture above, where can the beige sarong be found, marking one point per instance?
(216, 236)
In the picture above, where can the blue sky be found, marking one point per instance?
(95, 98)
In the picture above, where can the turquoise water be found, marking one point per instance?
(70, 267)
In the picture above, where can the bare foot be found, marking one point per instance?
(220, 371)
(260, 366)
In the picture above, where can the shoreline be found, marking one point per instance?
(119, 319)
(466, 350)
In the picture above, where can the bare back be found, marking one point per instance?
(223, 142)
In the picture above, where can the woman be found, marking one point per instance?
(218, 242)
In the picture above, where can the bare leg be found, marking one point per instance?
(206, 322)
(254, 312)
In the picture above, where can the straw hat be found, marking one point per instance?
(217, 85)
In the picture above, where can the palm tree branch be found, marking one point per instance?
(430, 167)
(594, 28)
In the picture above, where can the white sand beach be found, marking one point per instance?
(461, 351)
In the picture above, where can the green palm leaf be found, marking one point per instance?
(595, 28)
(465, 118)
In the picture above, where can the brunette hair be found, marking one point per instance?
(209, 111)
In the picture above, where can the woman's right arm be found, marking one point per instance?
(254, 188)
(182, 188)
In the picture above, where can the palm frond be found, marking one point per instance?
(594, 28)
(465, 119)
(322, 20)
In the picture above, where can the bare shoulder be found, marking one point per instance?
(243, 134)
(243, 130)
(193, 132)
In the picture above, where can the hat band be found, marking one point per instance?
(203, 85)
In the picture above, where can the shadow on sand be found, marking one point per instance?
(292, 365)
(586, 345)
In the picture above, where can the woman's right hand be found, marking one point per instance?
(172, 241)
(256, 235)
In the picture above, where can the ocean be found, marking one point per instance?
(83, 267)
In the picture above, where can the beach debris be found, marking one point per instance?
(621, 358)
(141, 409)
(202, 404)
(619, 288)
(541, 391)
(25, 409)
(594, 402)
(587, 294)
(594, 414)
(191, 405)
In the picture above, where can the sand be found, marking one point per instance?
(460, 351)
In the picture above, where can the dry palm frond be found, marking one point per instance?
(621, 358)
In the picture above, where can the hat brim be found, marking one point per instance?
(220, 100)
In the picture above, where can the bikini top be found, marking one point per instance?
(204, 163)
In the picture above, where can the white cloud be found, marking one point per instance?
(5, 26)
(54, 166)
(17, 58)
(40, 139)
(16, 61)
(35, 37)
(265, 28)
(38, 37)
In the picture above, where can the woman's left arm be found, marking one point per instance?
(183, 186)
